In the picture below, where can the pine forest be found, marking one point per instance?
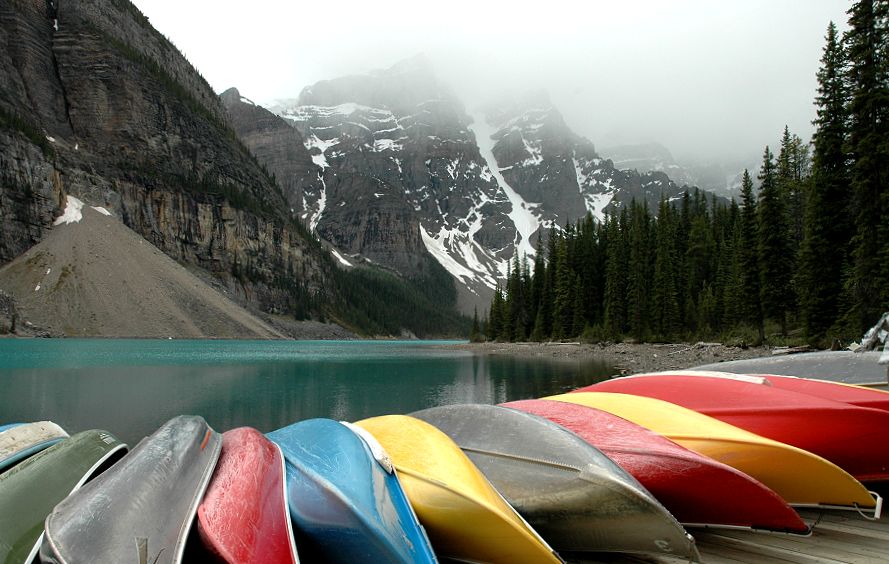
(803, 258)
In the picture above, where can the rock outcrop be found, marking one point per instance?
(558, 173)
(280, 148)
(96, 103)
(64, 285)
(403, 179)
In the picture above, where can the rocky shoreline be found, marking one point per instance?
(627, 358)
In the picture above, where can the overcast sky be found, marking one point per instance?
(710, 79)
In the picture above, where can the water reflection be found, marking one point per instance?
(131, 387)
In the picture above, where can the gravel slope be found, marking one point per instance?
(98, 278)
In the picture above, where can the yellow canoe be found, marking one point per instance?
(800, 477)
(464, 516)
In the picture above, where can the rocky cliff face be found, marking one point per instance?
(559, 174)
(407, 174)
(403, 179)
(280, 148)
(96, 103)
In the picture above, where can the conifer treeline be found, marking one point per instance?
(808, 254)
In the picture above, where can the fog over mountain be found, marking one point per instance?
(708, 80)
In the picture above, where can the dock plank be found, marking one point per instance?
(839, 537)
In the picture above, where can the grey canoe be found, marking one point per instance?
(141, 510)
(30, 490)
(18, 442)
(569, 491)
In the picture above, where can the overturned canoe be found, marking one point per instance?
(20, 440)
(698, 490)
(141, 509)
(854, 438)
(837, 391)
(30, 490)
(244, 517)
(464, 515)
(798, 476)
(347, 504)
(571, 493)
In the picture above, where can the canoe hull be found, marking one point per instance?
(799, 477)
(571, 493)
(854, 438)
(467, 520)
(344, 504)
(244, 517)
(143, 507)
(697, 490)
(846, 393)
(30, 490)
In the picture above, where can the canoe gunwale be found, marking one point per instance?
(752, 528)
(874, 516)
(291, 539)
(198, 495)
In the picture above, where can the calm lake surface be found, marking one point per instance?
(130, 387)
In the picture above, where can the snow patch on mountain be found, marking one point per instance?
(438, 248)
(72, 213)
(322, 204)
(596, 204)
(525, 220)
(339, 257)
(315, 142)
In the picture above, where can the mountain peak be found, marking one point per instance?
(419, 63)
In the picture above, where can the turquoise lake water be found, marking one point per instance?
(130, 387)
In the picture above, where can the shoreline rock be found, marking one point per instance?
(627, 358)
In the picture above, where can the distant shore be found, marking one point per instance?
(627, 358)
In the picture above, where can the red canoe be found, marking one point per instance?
(697, 490)
(244, 517)
(854, 438)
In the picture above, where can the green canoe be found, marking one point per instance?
(30, 490)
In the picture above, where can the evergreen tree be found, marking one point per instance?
(825, 225)
(706, 311)
(549, 285)
(515, 326)
(578, 320)
(773, 245)
(475, 332)
(562, 316)
(748, 258)
(638, 270)
(868, 143)
(538, 278)
(665, 308)
(698, 265)
(495, 317)
(615, 277)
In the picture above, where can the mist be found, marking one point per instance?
(711, 81)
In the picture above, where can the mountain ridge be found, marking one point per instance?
(477, 188)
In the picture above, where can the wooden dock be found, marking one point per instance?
(838, 537)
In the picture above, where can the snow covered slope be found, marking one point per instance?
(406, 174)
(403, 177)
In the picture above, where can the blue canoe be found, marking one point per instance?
(346, 502)
(19, 441)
